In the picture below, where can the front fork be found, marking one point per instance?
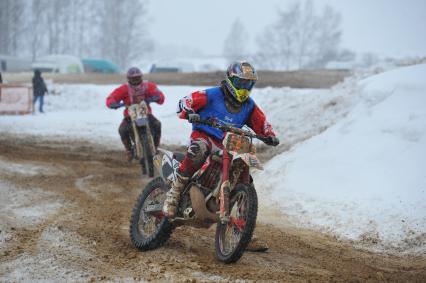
(138, 143)
(243, 176)
(224, 190)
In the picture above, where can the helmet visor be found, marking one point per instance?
(240, 83)
(135, 81)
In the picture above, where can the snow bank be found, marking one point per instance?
(79, 112)
(364, 178)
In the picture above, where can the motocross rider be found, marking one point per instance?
(133, 92)
(229, 103)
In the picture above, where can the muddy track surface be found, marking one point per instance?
(88, 193)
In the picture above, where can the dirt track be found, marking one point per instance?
(86, 238)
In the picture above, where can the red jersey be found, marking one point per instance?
(129, 95)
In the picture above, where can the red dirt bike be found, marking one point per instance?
(221, 192)
(143, 147)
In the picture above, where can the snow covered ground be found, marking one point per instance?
(356, 164)
(79, 112)
(363, 178)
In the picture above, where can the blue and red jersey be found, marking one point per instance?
(210, 103)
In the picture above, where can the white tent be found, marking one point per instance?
(63, 64)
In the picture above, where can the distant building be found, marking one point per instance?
(164, 69)
(14, 64)
(100, 66)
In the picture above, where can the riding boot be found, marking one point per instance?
(128, 147)
(129, 155)
(157, 138)
(173, 196)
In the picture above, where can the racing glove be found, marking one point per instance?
(271, 140)
(115, 105)
(151, 99)
(194, 118)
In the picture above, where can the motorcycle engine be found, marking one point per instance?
(184, 203)
(211, 177)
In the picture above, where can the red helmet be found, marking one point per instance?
(134, 76)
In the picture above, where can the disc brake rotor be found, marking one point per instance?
(148, 221)
(235, 228)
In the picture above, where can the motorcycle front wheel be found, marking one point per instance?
(233, 237)
(149, 229)
(147, 161)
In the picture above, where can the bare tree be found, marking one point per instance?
(235, 44)
(36, 25)
(4, 24)
(85, 36)
(123, 32)
(301, 38)
(327, 37)
(11, 17)
(111, 29)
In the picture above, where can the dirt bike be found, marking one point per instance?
(143, 148)
(221, 192)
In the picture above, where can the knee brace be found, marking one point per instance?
(198, 151)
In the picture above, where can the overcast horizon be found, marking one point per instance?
(385, 27)
(273, 34)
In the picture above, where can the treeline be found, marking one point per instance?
(302, 37)
(110, 29)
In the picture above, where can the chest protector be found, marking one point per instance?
(216, 108)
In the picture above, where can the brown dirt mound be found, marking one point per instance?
(86, 238)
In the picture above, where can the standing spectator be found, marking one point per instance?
(39, 89)
(1, 81)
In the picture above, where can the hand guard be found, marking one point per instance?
(115, 105)
(271, 140)
(152, 99)
(194, 118)
(185, 105)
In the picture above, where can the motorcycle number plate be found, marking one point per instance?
(141, 122)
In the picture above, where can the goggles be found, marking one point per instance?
(135, 81)
(240, 83)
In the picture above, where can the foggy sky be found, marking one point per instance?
(386, 27)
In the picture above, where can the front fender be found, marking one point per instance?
(250, 159)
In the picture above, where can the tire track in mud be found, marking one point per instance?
(88, 236)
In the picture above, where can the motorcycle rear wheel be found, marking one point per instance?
(147, 230)
(232, 238)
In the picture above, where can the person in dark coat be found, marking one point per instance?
(39, 89)
(1, 81)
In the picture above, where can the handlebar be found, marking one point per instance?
(116, 105)
(122, 104)
(228, 128)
